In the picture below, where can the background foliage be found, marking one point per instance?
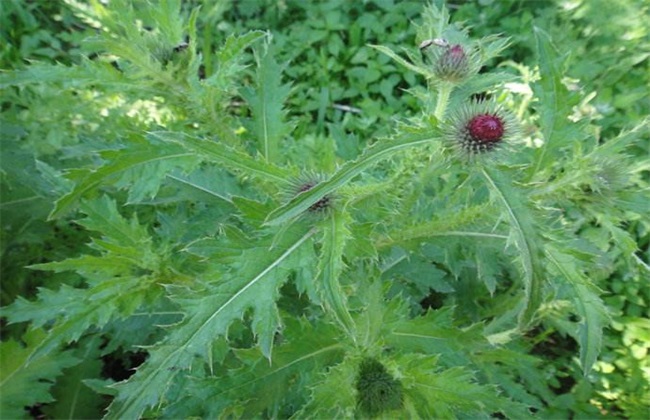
(132, 239)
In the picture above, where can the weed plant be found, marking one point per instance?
(366, 211)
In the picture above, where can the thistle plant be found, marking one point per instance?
(414, 278)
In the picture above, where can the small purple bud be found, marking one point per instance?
(452, 64)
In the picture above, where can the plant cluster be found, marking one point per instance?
(358, 219)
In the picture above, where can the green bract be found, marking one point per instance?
(377, 391)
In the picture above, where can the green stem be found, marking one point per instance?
(444, 90)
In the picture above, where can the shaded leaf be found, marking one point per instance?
(253, 284)
(588, 305)
(25, 382)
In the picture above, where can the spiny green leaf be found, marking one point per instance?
(335, 234)
(88, 72)
(236, 44)
(334, 396)
(91, 266)
(498, 365)
(119, 280)
(74, 399)
(209, 181)
(526, 240)
(76, 310)
(436, 333)
(51, 304)
(126, 245)
(254, 283)
(226, 68)
(435, 20)
(588, 305)
(347, 172)
(374, 323)
(224, 155)
(482, 83)
(414, 68)
(103, 216)
(298, 362)
(307, 273)
(226, 248)
(446, 393)
(419, 273)
(554, 101)
(266, 101)
(447, 225)
(139, 156)
(25, 382)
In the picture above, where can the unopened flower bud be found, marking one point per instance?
(321, 204)
(377, 391)
(452, 64)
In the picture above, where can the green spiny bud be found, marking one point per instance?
(452, 64)
(377, 391)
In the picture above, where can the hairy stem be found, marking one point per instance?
(444, 90)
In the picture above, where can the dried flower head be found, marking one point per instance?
(480, 127)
